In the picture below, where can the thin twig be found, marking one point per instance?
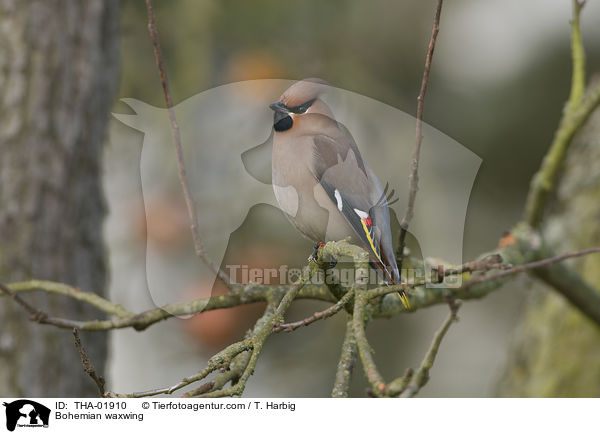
(88, 366)
(35, 314)
(413, 178)
(191, 208)
(421, 377)
(330, 311)
(201, 390)
(487, 263)
(527, 267)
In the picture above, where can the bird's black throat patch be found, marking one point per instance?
(283, 124)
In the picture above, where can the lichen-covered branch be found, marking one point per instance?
(90, 298)
(330, 311)
(241, 294)
(361, 315)
(343, 375)
(231, 374)
(262, 331)
(544, 181)
(241, 357)
(521, 256)
(573, 287)
(360, 318)
(577, 55)
(578, 109)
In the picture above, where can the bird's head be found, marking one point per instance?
(302, 98)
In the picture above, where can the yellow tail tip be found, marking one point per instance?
(404, 299)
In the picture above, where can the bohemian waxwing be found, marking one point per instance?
(322, 183)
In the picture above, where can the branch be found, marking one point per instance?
(487, 263)
(360, 314)
(545, 179)
(263, 328)
(399, 385)
(330, 311)
(578, 109)
(90, 298)
(421, 377)
(529, 266)
(582, 295)
(232, 374)
(359, 319)
(191, 208)
(88, 367)
(570, 284)
(35, 314)
(413, 178)
(345, 367)
(242, 294)
(578, 56)
(239, 359)
(477, 286)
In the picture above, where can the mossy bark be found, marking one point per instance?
(58, 70)
(556, 350)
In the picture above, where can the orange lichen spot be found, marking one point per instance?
(507, 240)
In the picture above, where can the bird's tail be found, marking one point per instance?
(390, 279)
(403, 298)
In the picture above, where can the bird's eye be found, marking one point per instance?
(303, 107)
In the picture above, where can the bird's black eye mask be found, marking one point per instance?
(302, 107)
(283, 121)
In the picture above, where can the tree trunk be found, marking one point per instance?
(58, 71)
(556, 350)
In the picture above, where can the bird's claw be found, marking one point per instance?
(315, 257)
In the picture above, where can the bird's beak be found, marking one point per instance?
(281, 111)
(279, 107)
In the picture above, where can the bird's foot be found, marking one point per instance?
(315, 257)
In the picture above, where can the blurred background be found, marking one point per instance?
(500, 76)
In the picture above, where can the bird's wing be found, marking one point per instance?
(355, 190)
